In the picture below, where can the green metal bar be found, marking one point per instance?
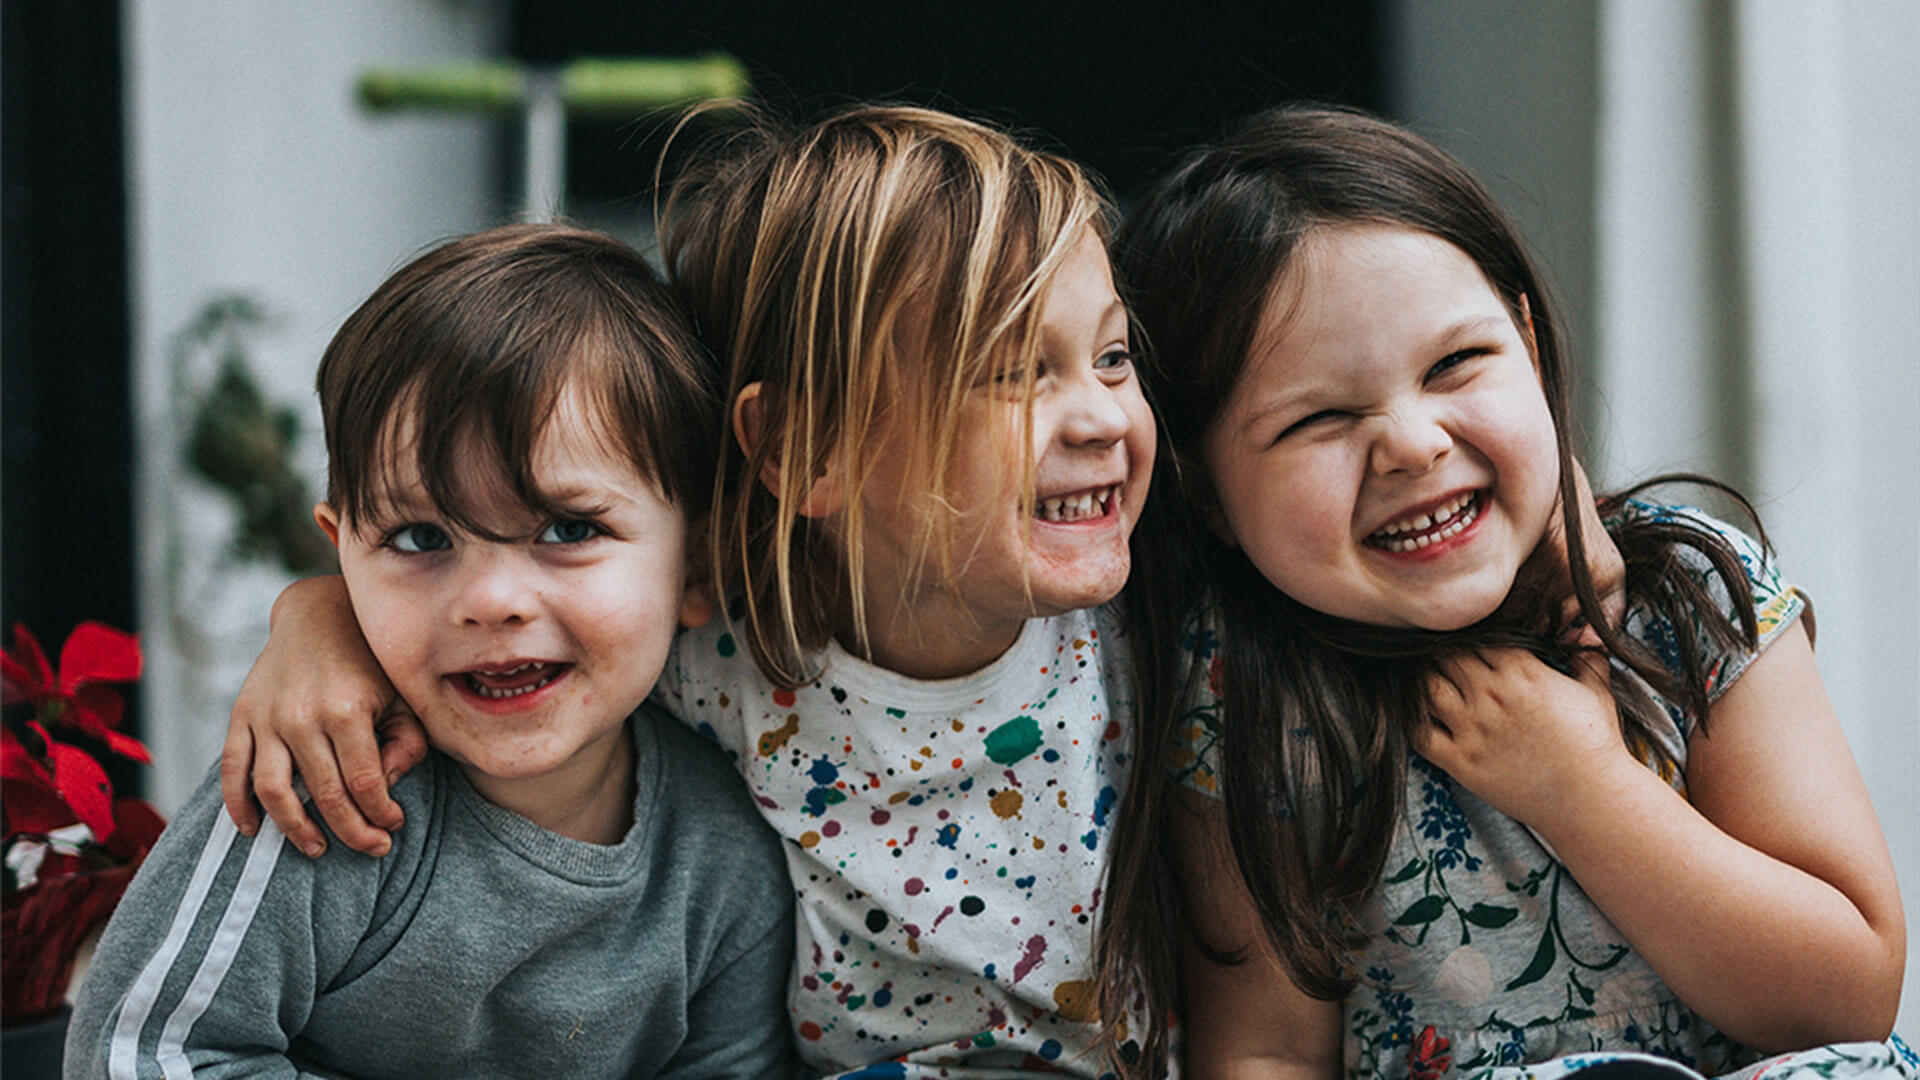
(625, 85)
(472, 86)
(591, 85)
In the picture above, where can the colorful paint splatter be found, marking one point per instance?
(946, 840)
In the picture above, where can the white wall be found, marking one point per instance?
(1741, 188)
(253, 169)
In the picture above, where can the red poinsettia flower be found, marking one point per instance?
(1427, 1059)
(95, 654)
(49, 783)
(70, 846)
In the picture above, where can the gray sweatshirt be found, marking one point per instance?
(482, 945)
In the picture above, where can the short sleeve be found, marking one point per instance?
(1194, 757)
(1776, 604)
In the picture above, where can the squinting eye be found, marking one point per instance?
(418, 539)
(1321, 417)
(1452, 360)
(1115, 360)
(569, 532)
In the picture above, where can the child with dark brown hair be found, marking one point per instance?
(520, 432)
(1478, 773)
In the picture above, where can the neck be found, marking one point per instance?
(589, 798)
(920, 645)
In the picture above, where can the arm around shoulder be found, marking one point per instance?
(311, 706)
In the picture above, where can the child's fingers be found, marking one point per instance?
(358, 754)
(273, 786)
(1434, 741)
(403, 743)
(236, 780)
(1445, 689)
(1593, 670)
(319, 766)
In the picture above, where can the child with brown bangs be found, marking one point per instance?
(939, 450)
(1482, 777)
(517, 424)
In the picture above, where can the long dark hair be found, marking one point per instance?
(1310, 820)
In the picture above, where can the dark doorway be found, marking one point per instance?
(66, 494)
(1117, 86)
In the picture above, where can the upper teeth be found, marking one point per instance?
(1074, 507)
(508, 671)
(1454, 515)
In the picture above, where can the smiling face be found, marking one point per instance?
(523, 657)
(1092, 445)
(1387, 455)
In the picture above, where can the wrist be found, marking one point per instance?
(1602, 807)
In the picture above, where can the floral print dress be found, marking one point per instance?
(1486, 960)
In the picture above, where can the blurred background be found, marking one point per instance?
(1726, 197)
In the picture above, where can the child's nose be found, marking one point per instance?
(1412, 442)
(1094, 413)
(495, 589)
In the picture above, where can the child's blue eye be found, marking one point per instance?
(569, 532)
(418, 539)
(1115, 360)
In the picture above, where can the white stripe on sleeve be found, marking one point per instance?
(123, 1053)
(247, 895)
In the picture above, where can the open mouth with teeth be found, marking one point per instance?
(1425, 529)
(516, 681)
(1085, 506)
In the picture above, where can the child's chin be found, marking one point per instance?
(1452, 617)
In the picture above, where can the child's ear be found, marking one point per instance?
(826, 492)
(1526, 331)
(329, 521)
(697, 592)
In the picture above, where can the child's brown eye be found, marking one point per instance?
(418, 538)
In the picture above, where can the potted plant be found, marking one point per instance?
(71, 846)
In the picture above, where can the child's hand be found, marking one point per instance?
(312, 704)
(1520, 734)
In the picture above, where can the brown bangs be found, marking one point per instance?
(468, 353)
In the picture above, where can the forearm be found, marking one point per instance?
(1249, 1022)
(1772, 954)
(1245, 1021)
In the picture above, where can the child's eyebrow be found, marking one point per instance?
(583, 499)
(1288, 398)
(1473, 326)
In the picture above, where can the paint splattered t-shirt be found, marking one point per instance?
(946, 840)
